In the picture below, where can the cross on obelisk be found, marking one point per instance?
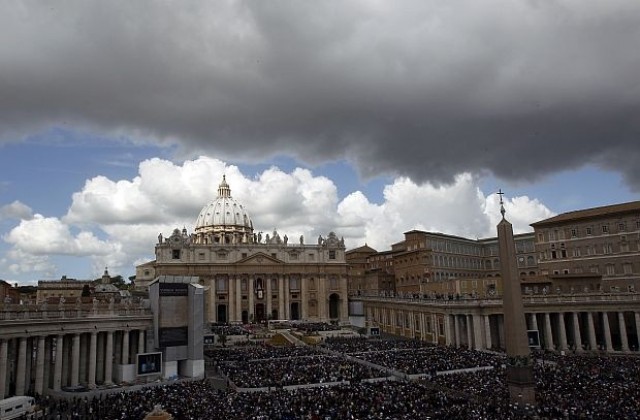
(519, 363)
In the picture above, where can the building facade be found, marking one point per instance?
(577, 248)
(251, 277)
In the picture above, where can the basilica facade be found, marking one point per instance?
(250, 277)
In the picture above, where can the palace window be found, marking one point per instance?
(175, 254)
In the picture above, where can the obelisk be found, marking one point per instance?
(519, 363)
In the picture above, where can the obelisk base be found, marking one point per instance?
(522, 386)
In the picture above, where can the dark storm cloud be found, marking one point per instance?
(420, 88)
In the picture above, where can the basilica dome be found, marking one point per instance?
(223, 220)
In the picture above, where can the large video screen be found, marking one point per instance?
(172, 328)
(149, 364)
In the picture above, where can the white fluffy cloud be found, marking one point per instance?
(115, 223)
(15, 210)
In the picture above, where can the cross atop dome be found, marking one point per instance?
(223, 188)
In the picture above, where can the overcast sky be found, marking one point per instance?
(367, 118)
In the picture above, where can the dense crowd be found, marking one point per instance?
(353, 345)
(295, 371)
(567, 387)
(254, 351)
(227, 329)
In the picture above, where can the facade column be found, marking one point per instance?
(108, 359)
(563, 332)
(576, 332)
(40, 365)
(281, 313)
(57, 370)
(607, 332)
(22, 366)
(238, 286)
(303, 298)
(623, 332)
(4, 354)
(487, 331)
(267, 298)
(213, 311)
(125, 347)
(231, 307)
(593, 344)
(93, 357)
(287, 300)
(141, 341)
(75, 360)
(252, 307)
(548, 332)
(467, 320)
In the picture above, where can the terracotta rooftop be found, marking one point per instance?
(631, 207)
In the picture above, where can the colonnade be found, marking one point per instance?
(561, 331)
(37, 363)
(605, 328)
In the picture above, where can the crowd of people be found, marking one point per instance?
(567, 387)
(295, 371)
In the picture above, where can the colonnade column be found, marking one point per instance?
(447, 330)
(576, 332)
(434, 328)
(487, 331)
(4, 353)
(477, 331)
(548, 333)
(39, 388)
(93, 355)
(592, 332)
(75, 361)
(637, 316)
(108, 359)
(22, 366)
(456, 331)
(563, 332)
(607, 331)
(623, 332)
(57, 369)
(534, 321)
(141, 341)
(125, 347)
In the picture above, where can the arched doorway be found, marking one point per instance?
(260, 312)
(222, 313)
(334, 306)
(295, 311)
(274, 314)
(245, 317)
